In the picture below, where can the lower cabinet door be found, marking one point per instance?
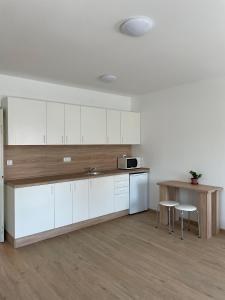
(63, 204)
(80, 200)
(34, 210)
(121, 202)
(101, 200)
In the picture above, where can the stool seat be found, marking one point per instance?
(186, 207)
(168, 203)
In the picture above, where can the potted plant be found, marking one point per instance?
(195, 177)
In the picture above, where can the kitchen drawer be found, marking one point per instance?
(121, 184)
(120, 178)
(122, 190)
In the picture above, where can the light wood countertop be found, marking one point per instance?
(189, 186)
(19, 183)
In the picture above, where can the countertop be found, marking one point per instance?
(24, 182)
(189, 186)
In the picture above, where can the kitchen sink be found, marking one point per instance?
(94, 173)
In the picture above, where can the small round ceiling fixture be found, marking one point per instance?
(108, 77)
(136, 26)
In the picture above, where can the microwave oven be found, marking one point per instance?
(129, 162)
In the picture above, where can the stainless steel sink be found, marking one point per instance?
(93, 172)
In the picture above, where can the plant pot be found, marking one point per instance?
(194, 181)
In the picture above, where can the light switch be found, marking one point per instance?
(9, 162)
(67, 159)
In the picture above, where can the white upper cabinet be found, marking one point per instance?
(72, 124)
(80, 200)
(55, 123)
(63, 204)
(113, 127)
(93, 125)
(34, 122)
(26, 122)
(130, 127)
(101, 200)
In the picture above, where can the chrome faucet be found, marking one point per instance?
(91, 170)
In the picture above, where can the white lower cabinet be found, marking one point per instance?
(63, 204)
(122, 201)
(101, 197)
(121, 192)
(80, 200)
(34, 210)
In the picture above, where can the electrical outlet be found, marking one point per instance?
(9, 162)
(67, 159)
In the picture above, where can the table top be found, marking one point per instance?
(186, 185)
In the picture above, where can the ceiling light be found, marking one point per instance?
(136, 26)
(108, 77)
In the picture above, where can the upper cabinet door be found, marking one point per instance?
(72, 125)
(130, 128)
(113, 127)
(26, 122)
(93, 125)
(55, 123)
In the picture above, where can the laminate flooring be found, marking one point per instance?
(126, 258)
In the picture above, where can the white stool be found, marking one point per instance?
(187, 208)
(169, 205)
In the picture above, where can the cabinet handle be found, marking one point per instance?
(62, 139)
(44, 139)
(122, 139)
(66, 139)
(82, 139)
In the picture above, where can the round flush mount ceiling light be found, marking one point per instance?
(136, 26)
(108, 77)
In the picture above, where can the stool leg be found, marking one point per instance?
(188, 221)
(199, 232)
(182, 225)
(169, 210)
(173, 218)
(157, 216)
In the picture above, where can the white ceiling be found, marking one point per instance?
(75, 41)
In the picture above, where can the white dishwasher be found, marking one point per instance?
(138, 192)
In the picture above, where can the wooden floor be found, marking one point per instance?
(125, 258)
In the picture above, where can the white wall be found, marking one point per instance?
(20, 87)
(183, 128)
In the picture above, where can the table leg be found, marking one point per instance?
(215, 213)
(205, 210)
(163, 210)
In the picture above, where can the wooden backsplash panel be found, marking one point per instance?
(36, 161)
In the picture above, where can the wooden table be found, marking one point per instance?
(208, 204)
